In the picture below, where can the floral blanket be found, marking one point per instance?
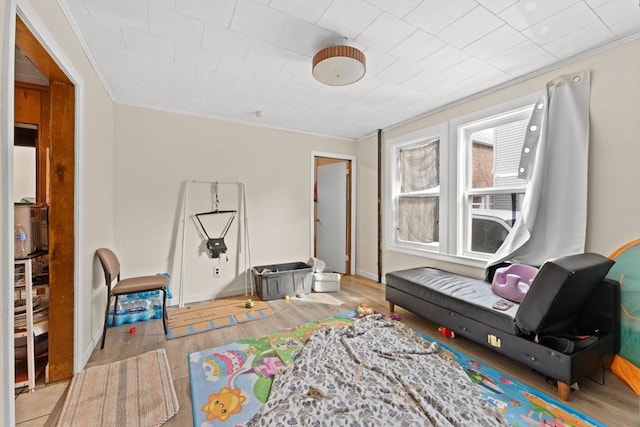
(375, 372)
(230, 383)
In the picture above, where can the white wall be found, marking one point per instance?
(24, 173)
(614, 175)
(367, 209)
(157, 152)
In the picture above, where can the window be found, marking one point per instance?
(419, 175)
(416, 172)
(453, 190)
(492, 193)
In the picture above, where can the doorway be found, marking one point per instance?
(333, 230)
(51, 109)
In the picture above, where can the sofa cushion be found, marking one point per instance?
(458, 294)
(559, 291)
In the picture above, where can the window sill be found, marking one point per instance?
(454, 259)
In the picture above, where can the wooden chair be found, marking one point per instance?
(131, 285)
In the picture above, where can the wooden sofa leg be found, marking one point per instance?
(391, 307)
(564, 391)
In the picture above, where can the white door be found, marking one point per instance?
(331, 219)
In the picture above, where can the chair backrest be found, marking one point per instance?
(110, 264)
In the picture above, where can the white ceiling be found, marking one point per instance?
(231, 59)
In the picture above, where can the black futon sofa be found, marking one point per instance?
(569, 298)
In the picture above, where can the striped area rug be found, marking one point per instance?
(133, 392)
(205, 316)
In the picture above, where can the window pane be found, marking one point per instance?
(418, 219)
(496, 155)
(492, 217)
(503, 204)
(420, 167)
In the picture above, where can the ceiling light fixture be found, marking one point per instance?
(339, 65)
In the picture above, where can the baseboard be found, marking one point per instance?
(368, 275)
(90, 348)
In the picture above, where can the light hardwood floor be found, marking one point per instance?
(613, 403)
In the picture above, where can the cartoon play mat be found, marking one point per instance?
(626, 270)
(231, 382)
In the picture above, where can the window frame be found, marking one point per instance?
(454, 229)
(464, 131)
(439, 132)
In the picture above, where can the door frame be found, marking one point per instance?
(45, 38)
(13, 9)
(352, 237)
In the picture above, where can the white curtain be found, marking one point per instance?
(553, 218)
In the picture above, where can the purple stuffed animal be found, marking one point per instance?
(513, 282)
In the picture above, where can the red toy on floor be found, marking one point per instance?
(447, 333)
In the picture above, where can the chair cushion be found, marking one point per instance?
(140, 284)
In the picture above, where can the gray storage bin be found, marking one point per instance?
(278, 280)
